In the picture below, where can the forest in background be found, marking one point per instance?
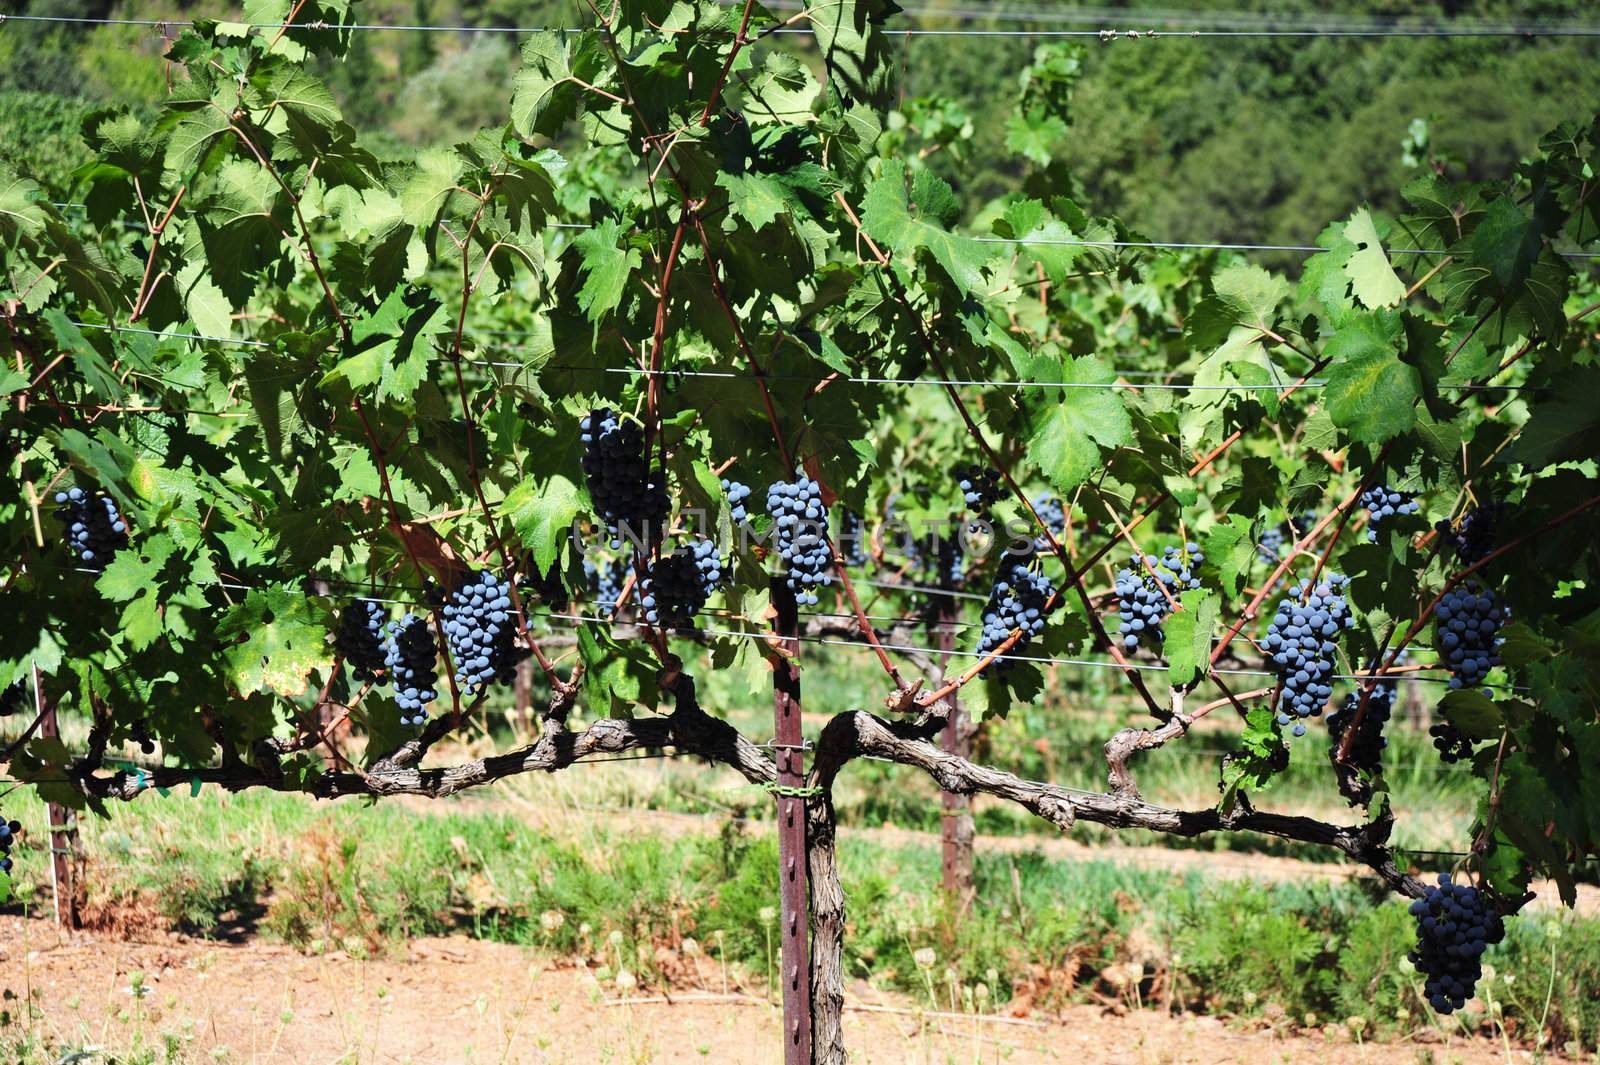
(1253, 140)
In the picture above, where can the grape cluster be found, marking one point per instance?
(1366, 749)
(543, 585)
(677, 585)
(621, 483)
(1383, 503)
(95, 531)
(737, 493)
(1302, 640)
(950, 562)
(1053, 513)
(802, 527)
(606, 581)
(1143, 590)
(1475, 537)
(1269, 548)
(139, 733)
(980, 485)
(852, 538)
(11, 698)
(479, 631)
(8, 837)
(1455, 924)
(411, 656)
(359, 639)
(1467, 633)
(1450, 743)
(1017, 601)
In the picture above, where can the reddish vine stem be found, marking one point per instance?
(146, 289)
(739, 41)
(473, 475)
(714, 269)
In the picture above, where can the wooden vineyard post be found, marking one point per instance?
(62, 882)
(956, 828)
(794, 895)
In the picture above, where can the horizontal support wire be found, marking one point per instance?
(636, 371)
(1105, 34)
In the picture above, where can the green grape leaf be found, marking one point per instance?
(887, 216)
(1068, 433)
(1372, 279)
(274, 640)
(605, 266)
(1371, 393)
(1188, 635)
(542, 511)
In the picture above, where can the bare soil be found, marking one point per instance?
(456, 1001)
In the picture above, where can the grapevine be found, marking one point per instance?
(1476, 534)
(737, 494)
(8, 838)
(1053, 513)
(95, 530)
(479, 631)
(678, 584)
(852, 538)
(1302, 641)
(980, 485)
(624, 489)
(11, 699)
(1467, 633)
(1017, 600)
(1143, 592)
(802, 528)
(1449, 741)
(1455, 925)
(1383, 503)
(359, 639)
(606, 582)
(1269, 548)
(411, 656)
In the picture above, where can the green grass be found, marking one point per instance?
(365, 877)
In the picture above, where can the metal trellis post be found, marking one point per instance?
(794, 893)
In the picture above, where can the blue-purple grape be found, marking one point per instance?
(1303, 641)
(359, 639)
(625, 490)
(1467, 633)
(95, 530)
(1456, 924)
(1018, 600)
(412, 657)
(1143, 590)
(1383, 503)
(801, 524)
(480, 632)
(677, 585)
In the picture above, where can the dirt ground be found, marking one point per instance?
(458, 1001)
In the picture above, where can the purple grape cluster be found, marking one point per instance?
(1477, 533)
(1450, 743)
(11, 698)
(359, 639)
(1143, 590)
(1456, 923)
(480, 632)
(1467, 633)
(802, 528)
(8, 839)
(1383, 503)
(624, 488)
(1366, 749)
(950, 562)
(95, 530)
(1302, 641)
(1053, 513)
(605, 581)
(852, 538)
(1018, 600)
(677, 585)
(980, 485)
(1269, 548)
(738, 494)
(411, 655)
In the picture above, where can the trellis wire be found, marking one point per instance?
(1106, 34)
(637, 371)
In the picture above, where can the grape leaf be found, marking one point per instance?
(1372, 279)
(1371, 393)
(886, 215)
